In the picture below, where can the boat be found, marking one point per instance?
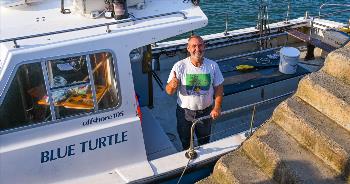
(82, 95)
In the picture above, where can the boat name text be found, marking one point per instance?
(83, 147)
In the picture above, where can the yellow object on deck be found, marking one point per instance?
(345, 30)
(244, 67)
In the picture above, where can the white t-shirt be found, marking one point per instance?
(196, 90)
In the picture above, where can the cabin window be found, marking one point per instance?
(82, 84)
(60, 88)
(20, 107)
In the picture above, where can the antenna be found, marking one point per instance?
(63, 10)
(288, 12)
(263, 24)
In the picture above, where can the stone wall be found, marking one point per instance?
(307, 140)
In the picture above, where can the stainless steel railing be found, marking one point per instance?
(192, 154)
(333, 5)
(15, 39)
(247, 54)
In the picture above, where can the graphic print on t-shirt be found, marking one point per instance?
(197, 84)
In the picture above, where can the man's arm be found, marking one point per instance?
(218, 95)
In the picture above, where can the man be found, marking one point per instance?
(196, 80)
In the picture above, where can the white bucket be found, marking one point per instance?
(289, 57)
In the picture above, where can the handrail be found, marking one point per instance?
(93, 26)
(247, 106)
(247, 40)
(192, 154)
(326, 4)
(326, 15)
(248, 54)
(330, 14)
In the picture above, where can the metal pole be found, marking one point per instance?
(306, 15)
(252, 120)
(150, 90)
(108, 30)
(191, 153)
(62, 6)
(92, 83)
(16, 45)
(48, 91)
(66, 11)
(226, 25)
(288, 11)
(311, 27)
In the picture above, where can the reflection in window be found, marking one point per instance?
(68, 71)
(20, 106)
(103, 74)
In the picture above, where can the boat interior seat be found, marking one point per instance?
(157, 143)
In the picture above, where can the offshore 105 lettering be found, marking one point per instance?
(83, 147)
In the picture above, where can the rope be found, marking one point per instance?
(183, 172)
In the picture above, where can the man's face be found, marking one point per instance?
(196, 48)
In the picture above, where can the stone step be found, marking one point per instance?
(328, 95)
(284, 160)
(338, 64)
(207, 180)
(236, 167)
(325, 138)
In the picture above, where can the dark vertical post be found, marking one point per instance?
(150, 90)
(147, 68)
(62, 6)
(63, 10)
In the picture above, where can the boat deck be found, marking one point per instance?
(247, 90)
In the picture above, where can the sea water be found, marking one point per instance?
(243, 13)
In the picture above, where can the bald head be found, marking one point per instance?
(195, 37)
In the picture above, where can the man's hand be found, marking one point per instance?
(215, 113)
(172, 85)
(218, 91)
(174, 82)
